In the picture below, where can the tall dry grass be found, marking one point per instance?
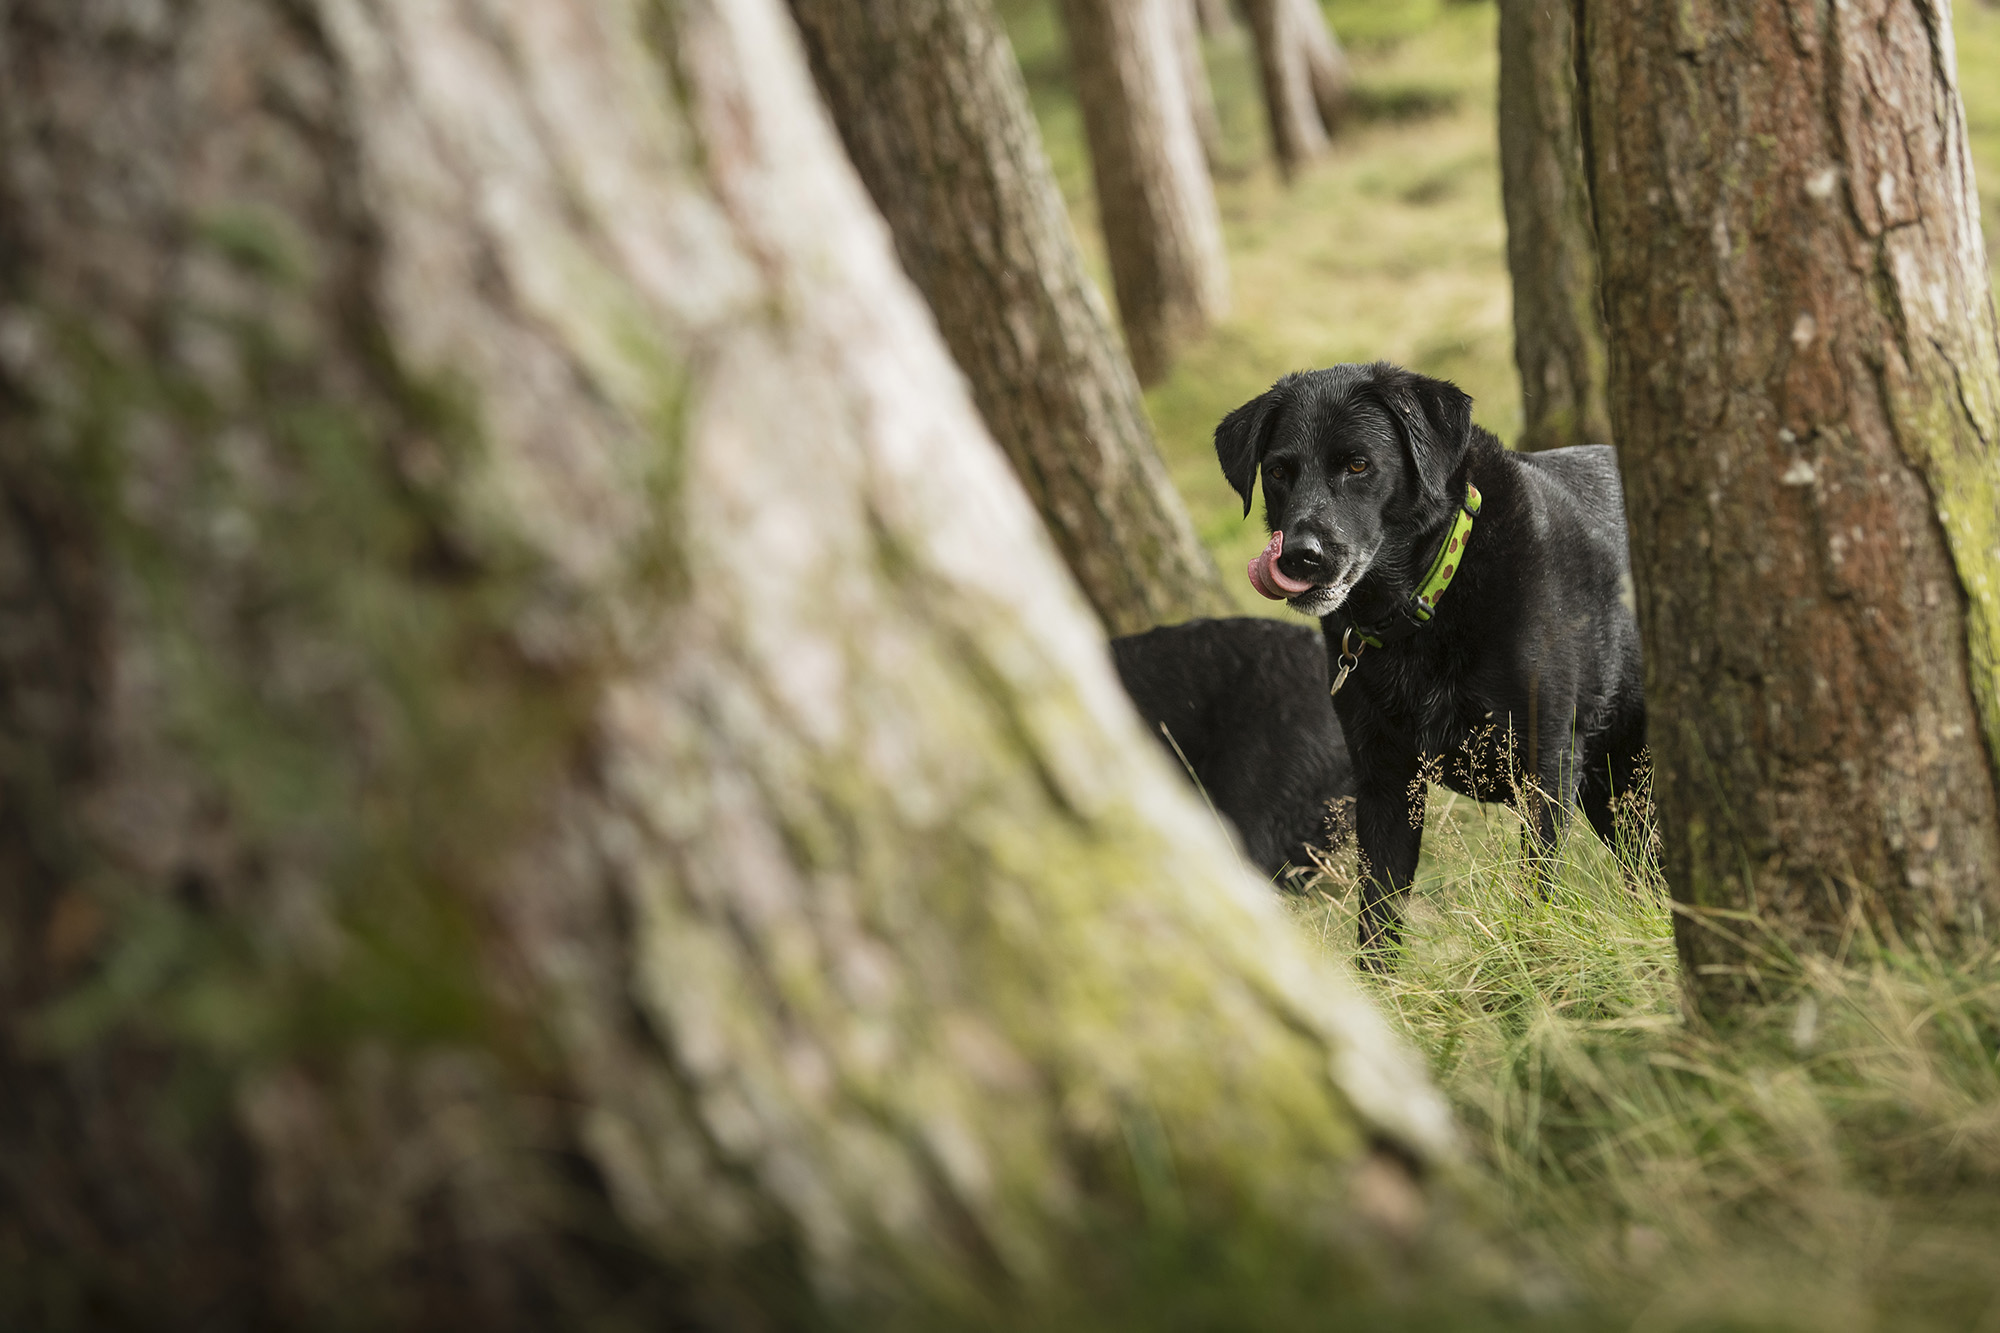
(1828, 1160)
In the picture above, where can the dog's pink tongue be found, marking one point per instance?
(1267, 578)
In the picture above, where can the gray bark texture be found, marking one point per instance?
(1162, 230)
(930, 103)
(552, 776)
(1805, 379)
(1551, 239)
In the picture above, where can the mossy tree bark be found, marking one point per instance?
(1551, 239)
(930, 103)
(552, 777)
(1805, 380)
(1162, 230)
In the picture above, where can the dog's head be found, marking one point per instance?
(1356, 461)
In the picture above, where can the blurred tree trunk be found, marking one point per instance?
(1216, 20)
(1298, 134)
(1162, 230)
(1194, 72)
(1551, 243)
(1326, 63)
(1805, 380)
(551, 776)
(930, 103)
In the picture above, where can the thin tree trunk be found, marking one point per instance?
(1194, 72)
(1162, 229)
(1327, 70)
(930, 103)
(1216, 20)
(1298, 134)
(551, 774)
(1551, 241)
(1805, 379)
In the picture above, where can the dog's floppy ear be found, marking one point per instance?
(1436, 416)
(1242, 437)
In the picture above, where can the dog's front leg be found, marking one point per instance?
(1389, 827)
(1544, 800)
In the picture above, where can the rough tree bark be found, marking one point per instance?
(1162, 229)
(930, 103)
(551, 774)
(1551, 240)
(1805, 379)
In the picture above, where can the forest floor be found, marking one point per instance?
(1831, 1161)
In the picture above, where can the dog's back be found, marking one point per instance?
(1245, 702)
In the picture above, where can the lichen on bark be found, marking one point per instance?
(662, 835)
(1804, 373)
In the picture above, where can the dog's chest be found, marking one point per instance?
(1440, 706)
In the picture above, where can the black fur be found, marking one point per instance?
(1245, 700)
(1526, 685)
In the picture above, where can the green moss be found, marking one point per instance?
(1964, 477)
(263, 244)
(334, 650)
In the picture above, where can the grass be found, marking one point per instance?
(1829, 1161)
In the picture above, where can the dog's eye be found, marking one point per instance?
(1357, 464)
(1279, 472)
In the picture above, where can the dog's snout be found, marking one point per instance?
(1304, 558)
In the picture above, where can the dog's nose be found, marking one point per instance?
(1304, 559)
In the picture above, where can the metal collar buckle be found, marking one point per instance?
(1350, 658)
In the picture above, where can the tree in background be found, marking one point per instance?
(1194, 72)
(1805, 379)
(1304, 76)
(1551, 241)
(551, 773)
(930, 103)
(1162, 230)
(1326, 63)
(1215, 18)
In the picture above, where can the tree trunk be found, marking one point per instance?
(1194, 73)
(1805, 379)
(1161, 226)
(1551, 241)
(551, 776)
(1298, 135)
(930, 103)
(1326, 63)
(1216, 20)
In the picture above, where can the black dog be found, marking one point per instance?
(1244, 700)
(1521, 682)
